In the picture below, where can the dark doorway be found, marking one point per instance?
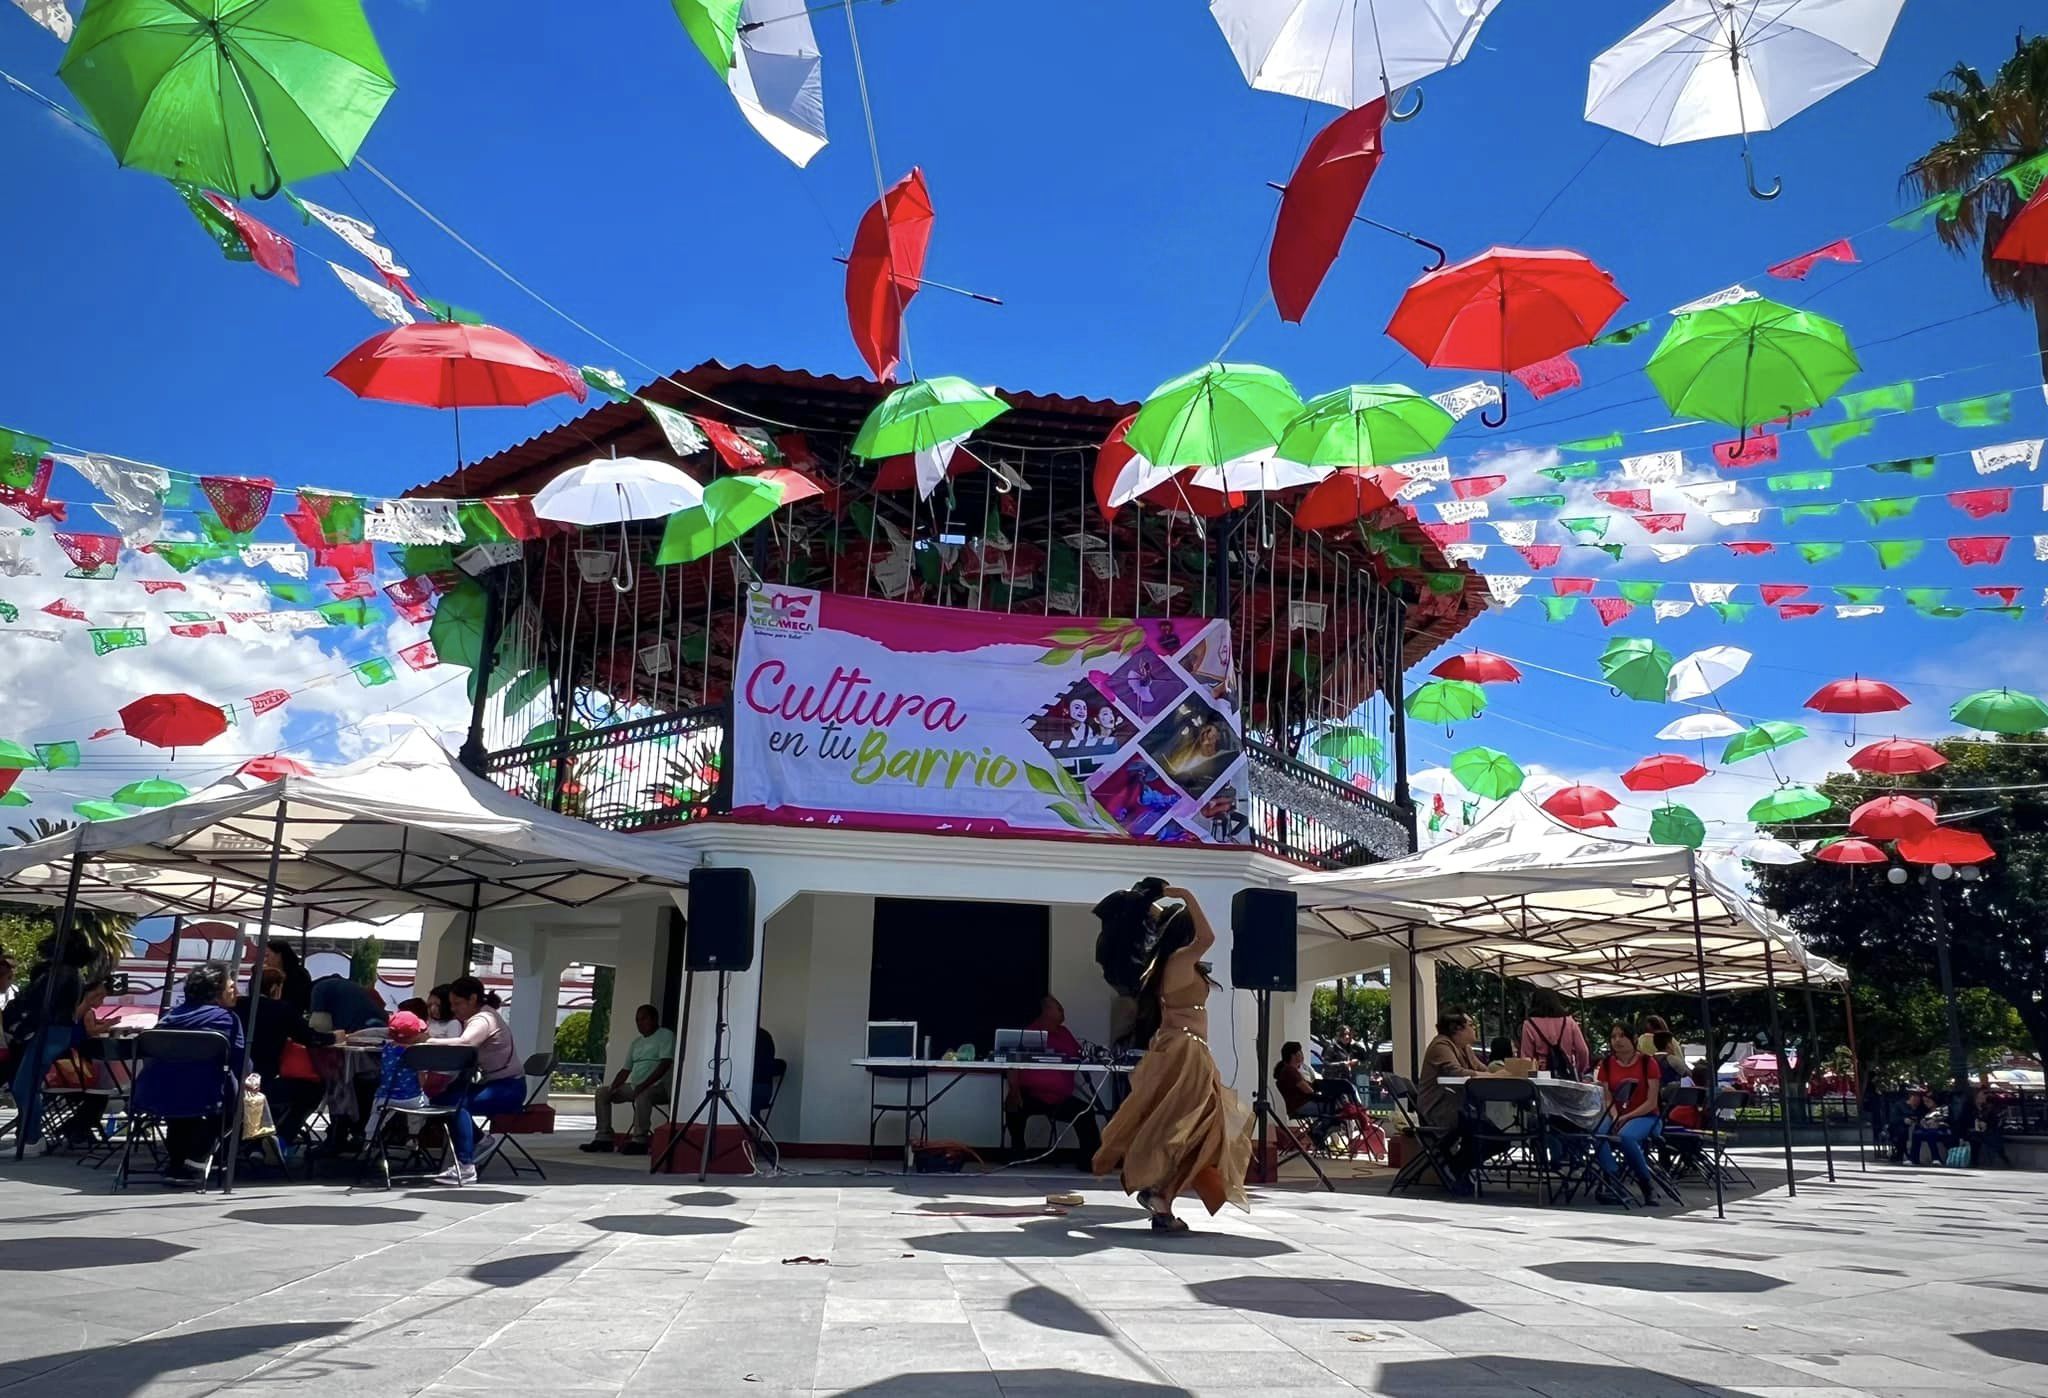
(961, 970)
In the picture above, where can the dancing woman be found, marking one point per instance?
(1181, 1129)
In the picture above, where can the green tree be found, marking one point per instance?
(1993, 125)
(572, 1039)
(24, 925)
(1364, 1008)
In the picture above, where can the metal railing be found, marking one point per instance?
(1303, 814)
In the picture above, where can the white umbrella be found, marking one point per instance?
(1766, 850)
(614, 490)
(1348, 52)
(1259, 472)
(1700, 727)
(776, 77)
(1705, 671)
(1703, 68)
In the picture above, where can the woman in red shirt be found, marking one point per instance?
(1632, 1081)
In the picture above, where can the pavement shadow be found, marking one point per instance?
(663, 1225)
(513, 1271)
(326, 1215)
(1337, 1299)
(116, 1371)
(1658, 1278)
(2028, 1288)
(71, 1254)
(1043, 1306)
(2020, 1346)
(468, 1196)
(704, 1199)
(957, 1382)
(1055, 1238)
(1433, 1378)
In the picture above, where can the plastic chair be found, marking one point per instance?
(199, 1049)
(539, 1067)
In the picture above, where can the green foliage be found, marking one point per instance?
(601, 982)
(572, 1039)
(1365, 1008)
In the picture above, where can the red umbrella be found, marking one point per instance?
(8, 777)
(269, 769)
(1945, 845)
(1173, 491)
(900, 472)
(1504, 310)
(1320, 201)
(1851, 852)
(1665, 771)
(886, 269)
(1594, 821)
(2026, 237)
(1857, 696)
(1481, 667)
(798, 485)
(1572, 804)
(439, 365)
(173, 720)
(1897, 757)
(1346, 495)
(1892, 818)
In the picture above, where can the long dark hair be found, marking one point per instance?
(1176, 933)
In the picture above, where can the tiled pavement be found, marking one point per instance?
(609, 1282)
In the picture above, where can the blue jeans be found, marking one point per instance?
(504, 1095)
(41, 1051)
(1631, 1136)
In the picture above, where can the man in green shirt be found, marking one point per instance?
(643, 1082)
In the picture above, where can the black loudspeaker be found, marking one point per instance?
(721, 931)
(1262, 939)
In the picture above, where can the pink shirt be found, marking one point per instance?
(1052, 1086)
(1539, 1034)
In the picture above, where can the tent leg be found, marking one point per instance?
(60, 937)
(1713, 1122)
(255, 990)
(1784, 1068)
(1827, 1142)
(1863, 1141)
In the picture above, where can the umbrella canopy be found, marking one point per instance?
(457, 630)
(1893, 818)
(2001, 711)
(1578, 802)
(1121, 476)
(173, 720)
(1348, 744)
(15, 757)
(1446, 701)
(1477, 667)
(1857, 696)
(1789, 803)
(101, 810)
(1666, 771)
(922, 414)
(1257, 473)
(1750, 362)
(1319, 203)
(1367, 424)
(269, 769)
(439, 364)
(1486, 772)
(1897, 757)
(152, 791)
(886, 268)
(1851, 852)
(616, 489)
(1347, 52)
(1348, 495)
(232, 95)
(1766, 849)
(1217, 413)
(2026, 238)
(1637, 667)
(1767, 736)
(733, 506)
(14, 798)
(1703, 68)
(1704, 672)
(1677, 825)
(1945, 845)
(1699, 727)
(900, 472)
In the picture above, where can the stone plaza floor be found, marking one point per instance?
(609, 1281)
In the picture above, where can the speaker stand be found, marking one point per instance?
(715, 1096)
(1262, 1104)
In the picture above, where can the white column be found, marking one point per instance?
(440, 957)
(1411, 1030)
(642, 958)
(536, 994)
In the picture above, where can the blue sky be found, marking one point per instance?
(1101, 167)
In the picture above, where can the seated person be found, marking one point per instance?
(84, 1081)
(1439, 1104)
(1635, 1118)
(500, 1084)
(1290, 1077)
(349, 1081)
(1904, 1123)
(399, 1088)
(1051, 1093)
(279, 1022)
(643, 1081)
(193, 1098)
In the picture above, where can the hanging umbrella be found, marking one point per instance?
(441, 364)
(1856, 696)
(2001, 711)
(270, 769)
(1446, 702)
(1765, 849)
(1893, 818)
(1767, 736)
(925, 413)
(1600, 820)
(1666, 771)
(15, 757)
(1945, 845)
(1217, 413)
(1367, 424)
(239, 97)
(1704, 672)
(1699, 727)
(733, 506)
(1486, 772)
(1789, 802)
(14, 798)
(101, 810)
(1750, 362)
(2026, 237)
(1570, 803)
(900, 472)
(1347, 495)
(1477, 667)
(614, 490)
(886, 269)
(1121, 476)
(1703, 68)
(1897, 757)
(1637, 667)
(1348, 744)
(1348, 52)
(1259, 473)
(8, 777)
(152, 791)
(1851, 852)
(1505, 309)
(173, 720)
(1676, 825)
(1318, 204)
(457, 630)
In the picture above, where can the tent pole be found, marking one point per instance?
(1827, 1143)
(1784, 1067)
(476, 891)
(163, 1001)
(1396, 702)
(473, 754)
(1503, 995)
(255, 990)
(1863, 1142)
(1713, 1112)
(60, 937)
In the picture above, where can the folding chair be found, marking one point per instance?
(1431, 1142)
(508, 1128)
(201, 1053)
(118, 1058)
(1706, 1145)
(1502, 1147)
(1578, 1157)
(457, 1061)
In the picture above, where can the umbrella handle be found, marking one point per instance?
(1501, 421)
(1749, 169)
(1414, 110)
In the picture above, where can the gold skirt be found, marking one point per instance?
(1182, 1129)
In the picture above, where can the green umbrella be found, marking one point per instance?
(714, 27)
(1349, 744)
(1676, 825)
(1789, 803)
(153, 791)
(1486, 772)
(101, 810)
(1767, 736)
(732, 506)
(15, 757)
(1215, 414)
(541, 733)
(1638, 667)
(1750, 362)
(14, 798)
(2001, 711)
(458, 627)
(1367, 424)
(924, 414)
(242, 96)
(1447, 701)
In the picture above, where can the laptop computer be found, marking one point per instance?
(892, 1038)
(1019, 1043)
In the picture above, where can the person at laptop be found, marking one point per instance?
(1051, 1092)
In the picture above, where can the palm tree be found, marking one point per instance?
(106, 933)
(1996, 125)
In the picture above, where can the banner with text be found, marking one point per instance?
(902, 717)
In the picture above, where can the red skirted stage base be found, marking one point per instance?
(728, 1150)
